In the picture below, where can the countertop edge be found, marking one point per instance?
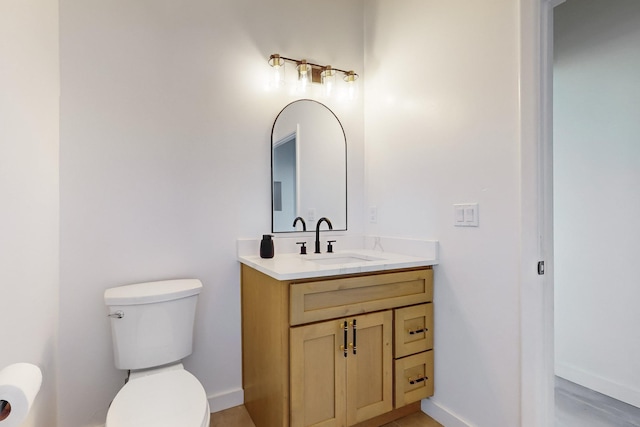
(271, 268)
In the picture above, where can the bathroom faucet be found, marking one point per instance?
(299, 218)
(317, 251)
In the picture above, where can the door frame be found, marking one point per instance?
(536, 204)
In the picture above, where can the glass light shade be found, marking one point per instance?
(278, 67)
(304, 75)
(352, 89)
(328, 80)
(350, 77)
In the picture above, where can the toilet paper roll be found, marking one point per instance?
(19, 386)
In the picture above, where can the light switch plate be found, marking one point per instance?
(373, 214)
(465, 215)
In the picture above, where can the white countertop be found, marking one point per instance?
(290, 266)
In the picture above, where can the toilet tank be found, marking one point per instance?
(152, 322)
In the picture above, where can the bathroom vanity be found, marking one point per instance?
(335, 344)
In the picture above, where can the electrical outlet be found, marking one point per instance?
(311, 215)
(373, 214)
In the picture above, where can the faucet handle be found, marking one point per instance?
(330, 246)
(303, 248)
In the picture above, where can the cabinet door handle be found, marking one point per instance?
(354, 336)
(346, 330)
(419, 379)
(417, 331)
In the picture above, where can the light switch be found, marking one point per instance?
(458, 214)
(465, 215)
(469, 214)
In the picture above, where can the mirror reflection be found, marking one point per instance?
(308, 167)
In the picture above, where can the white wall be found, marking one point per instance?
(165, 142)
(596, 181)
(165, 162)
(29, 113)
(441, 127)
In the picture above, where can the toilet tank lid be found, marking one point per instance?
(151, 292)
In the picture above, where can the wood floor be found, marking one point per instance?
(238, 417)
(577, 406)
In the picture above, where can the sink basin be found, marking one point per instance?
(341, 258)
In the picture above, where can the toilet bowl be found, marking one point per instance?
(169, 397)
(152, 331)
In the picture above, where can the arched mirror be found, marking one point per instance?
(308, 167)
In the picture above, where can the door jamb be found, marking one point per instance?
(536, 293)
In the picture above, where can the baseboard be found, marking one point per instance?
(621, 392)
(226, 400)
(442, 414)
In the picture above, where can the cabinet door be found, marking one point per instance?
(331, 387)
(370, 369)
(318, 375)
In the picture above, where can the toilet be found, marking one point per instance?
(152, 331)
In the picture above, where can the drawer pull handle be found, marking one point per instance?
(417, 380)
(344, 347)
(417, 331)
(354, 336)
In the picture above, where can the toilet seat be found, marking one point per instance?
(172, 398)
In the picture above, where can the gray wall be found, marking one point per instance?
(596, 182)
(29, 117)
(165, 162)
(442, 127)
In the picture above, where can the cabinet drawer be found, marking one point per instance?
(413, 378)
(333, 298)
(413, 329)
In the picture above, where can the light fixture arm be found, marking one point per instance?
(277, 60)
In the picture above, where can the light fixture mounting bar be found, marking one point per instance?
(276, 60)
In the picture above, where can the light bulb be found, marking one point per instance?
(304, 71)
(277, 77)
(352, 90)
(328, 80)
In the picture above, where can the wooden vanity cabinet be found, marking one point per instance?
(322, 352)
(413, 353)
(353, 383)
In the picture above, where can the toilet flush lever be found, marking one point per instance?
(117, 315)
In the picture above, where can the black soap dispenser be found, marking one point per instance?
(266, 246)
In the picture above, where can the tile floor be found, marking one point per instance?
(238, 417)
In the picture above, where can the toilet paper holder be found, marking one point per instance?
(5, 409)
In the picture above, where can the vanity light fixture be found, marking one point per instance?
(351, 78)
(313, 73)
(304, 74)
(328, 77)
(278, 69)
